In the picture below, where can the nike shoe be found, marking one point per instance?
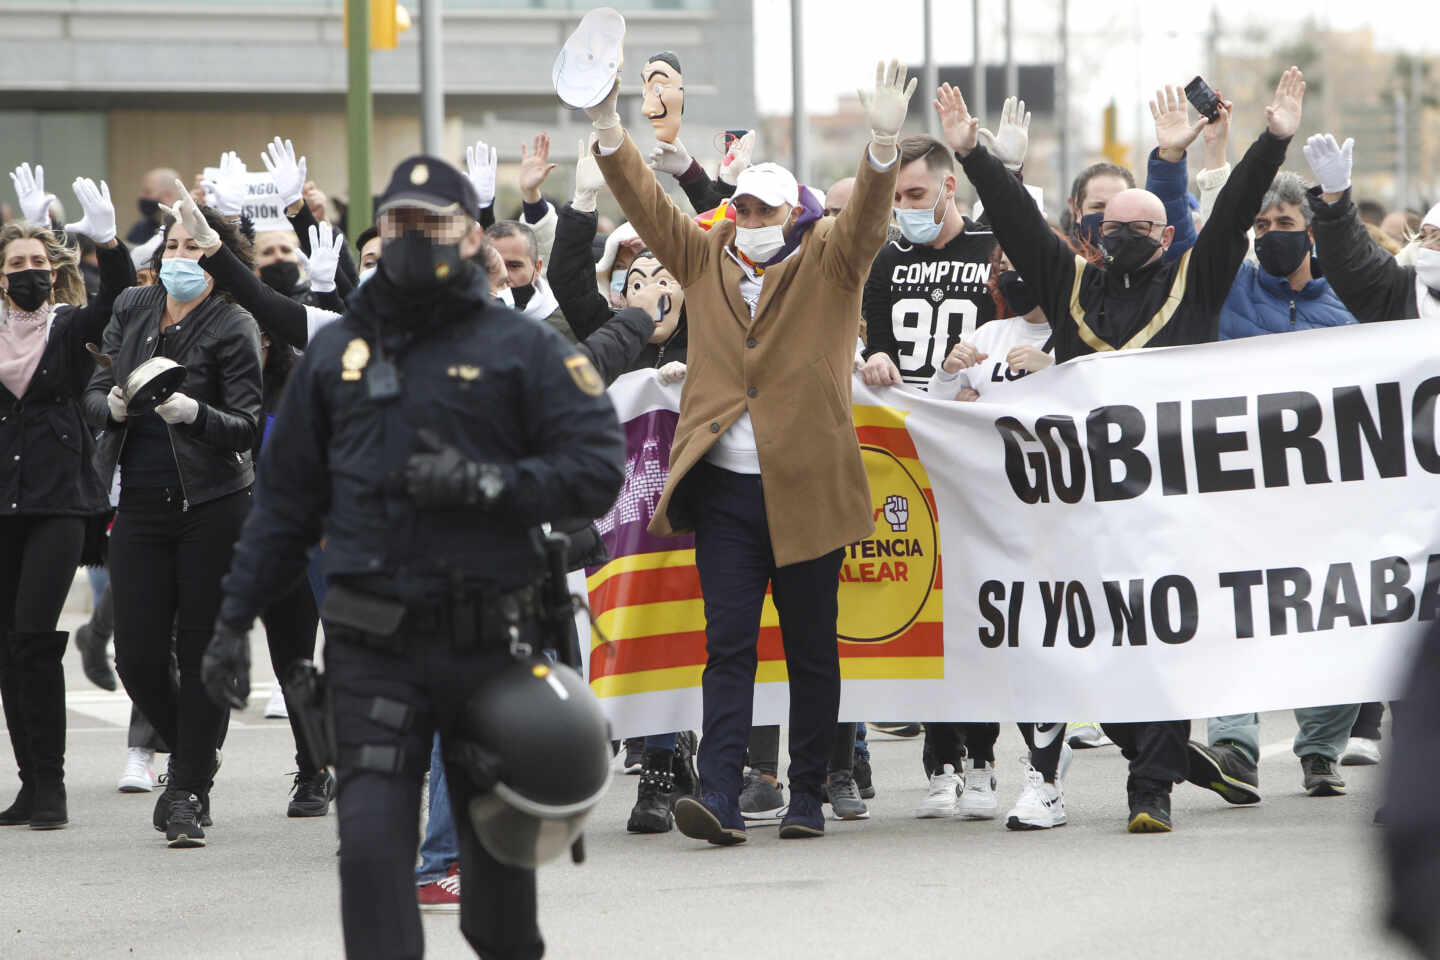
(1360, 752)
(943, 797)
(1224, 768)
(137, 776)
(1321, 779)
(977, 799)
(1084, 735)
(761, 797)
(1041, 805)
(1149, 806)
(182, 828)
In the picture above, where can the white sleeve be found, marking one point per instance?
(544, 231)
(946, 385)
(316, 319)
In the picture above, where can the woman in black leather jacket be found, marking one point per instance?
(48, 489)
(185, 478)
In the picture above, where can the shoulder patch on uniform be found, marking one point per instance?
(583, 372)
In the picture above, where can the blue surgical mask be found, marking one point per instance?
(920, 226)
(365, 274)
(185, 280)
(617, 282)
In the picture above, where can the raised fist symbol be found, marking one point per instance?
(897, 512)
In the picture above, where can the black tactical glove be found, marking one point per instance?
(225, 669)
(441, 476)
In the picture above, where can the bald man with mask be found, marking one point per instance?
(156, 187)
(1132, 299)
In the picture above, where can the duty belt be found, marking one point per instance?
(467, 619)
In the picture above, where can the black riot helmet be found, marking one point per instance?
(535, 746)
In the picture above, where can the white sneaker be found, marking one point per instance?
(943, 799)
(977, 800)
(137, 777)
(1063, 767)
(1084, 734)
(1040, 807)
(1360, 752)
(275, 708)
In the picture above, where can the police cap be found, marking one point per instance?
(430, 184)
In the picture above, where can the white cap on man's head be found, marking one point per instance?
(769, 183)
(1432, 219)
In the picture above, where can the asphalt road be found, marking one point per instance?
(1291, 877)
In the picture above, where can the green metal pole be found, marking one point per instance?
(360, 116)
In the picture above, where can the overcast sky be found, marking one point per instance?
(844, 38)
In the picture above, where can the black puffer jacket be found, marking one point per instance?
(45, 447)
(219, 346)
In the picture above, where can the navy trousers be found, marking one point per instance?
(736, 565)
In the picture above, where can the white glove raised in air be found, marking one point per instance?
(588, 178)
(671, 158)
(228, 186)
(887, 105)
(324, 258)
(178, 408)
(98, 219)
(737, 159)
(30, 190)
(188, 213)
(481, 162)
(1013, 139)
(1331, 161)
(287, 172)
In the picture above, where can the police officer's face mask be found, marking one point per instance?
(416, 263)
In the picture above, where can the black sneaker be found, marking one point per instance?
(687, 779)
(161, 815)
(1226, 769)
(803, 819)
(183, 829)
(311, 795)
(1321, 779)
(761, 797)
(1149, 807)
(93, 660)
(634, 754)
(863, 777)
(903, 730)
(651, 813)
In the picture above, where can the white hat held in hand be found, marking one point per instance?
(588, 64)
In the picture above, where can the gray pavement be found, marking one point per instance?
(1292, 877)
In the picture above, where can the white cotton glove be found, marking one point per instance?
(737, 159)
(1331, 162)
(178, 408)
(887, 105)
(1013, 139)
(98, 219)
(287, 172)
(188, 213)
(228, 186)
(481, 162)
(115, 400)
(671, 158)
(30, 189)
(324, 258)
(588, 178)
(672, 372)
(144, 255)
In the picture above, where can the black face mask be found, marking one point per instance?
(418, 266)
(29, 288)
(522, 295)
(1018, 297)
(1088, 228)
(1281, 252)
(1127, 251)
(282, 276)
(148, 208)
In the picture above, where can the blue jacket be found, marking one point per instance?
(1262, 303)
(1169, 181)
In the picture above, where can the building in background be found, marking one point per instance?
(107, 89)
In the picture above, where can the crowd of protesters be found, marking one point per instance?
(157, 496)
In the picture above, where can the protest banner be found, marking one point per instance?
(262, 201)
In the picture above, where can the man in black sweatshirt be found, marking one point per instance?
(1133, 299)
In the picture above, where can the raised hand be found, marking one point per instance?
(325, 246)
(228, 186)
(1331, 162)
(888, 103)
(1173, 130)
(287, 172)
(1013, 139)
(959, 130)
(187, 212)
(1282, 117)
(1217, 134)
(737, 159)
(30, 190)
(671, 158)
(98, 213)
(588, 178)
(481, 162)
(535, 166)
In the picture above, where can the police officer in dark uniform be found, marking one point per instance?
(425, 435)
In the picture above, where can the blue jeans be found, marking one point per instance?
(99, 580)
(1323, 730)
(441, 846)
(660, 741)
(862, 746)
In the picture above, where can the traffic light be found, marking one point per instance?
(1116, 152)
(388, 19)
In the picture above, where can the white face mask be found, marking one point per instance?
(759, 244)
(365, 274)
(1427, 267)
